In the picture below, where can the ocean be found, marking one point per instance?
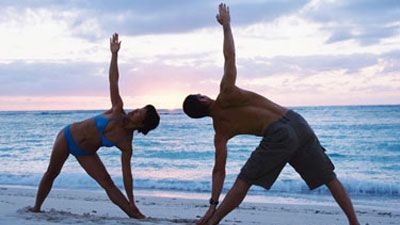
(362, 141)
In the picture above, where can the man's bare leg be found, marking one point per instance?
(232, 200)
(341, 197)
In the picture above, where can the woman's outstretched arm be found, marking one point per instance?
(116, 99)
(126, 148)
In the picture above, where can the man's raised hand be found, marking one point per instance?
(223, 16)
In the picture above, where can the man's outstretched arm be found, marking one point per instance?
(218, 177)
(229, 78)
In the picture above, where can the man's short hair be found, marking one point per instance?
(194, 108)
(151, 119)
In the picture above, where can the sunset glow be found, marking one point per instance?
(56, 55)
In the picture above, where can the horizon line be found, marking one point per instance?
(175, 109)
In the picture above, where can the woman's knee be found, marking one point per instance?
(51, 174)
(107, 183)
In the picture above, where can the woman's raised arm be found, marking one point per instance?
(116, 99)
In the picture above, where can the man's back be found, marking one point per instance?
(239, 111)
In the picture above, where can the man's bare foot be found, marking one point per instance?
(34, 210)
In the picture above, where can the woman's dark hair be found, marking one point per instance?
(194, 108)
(151, 120)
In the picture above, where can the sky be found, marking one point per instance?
(54, 55)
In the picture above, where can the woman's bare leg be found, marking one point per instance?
(96, 169)
(58, 156)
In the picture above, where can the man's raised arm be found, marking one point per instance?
(229, 78)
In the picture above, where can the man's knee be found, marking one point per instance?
(241, 185)
(333, 183)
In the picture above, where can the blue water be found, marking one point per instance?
(362, 141)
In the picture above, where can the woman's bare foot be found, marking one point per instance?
(138, 215)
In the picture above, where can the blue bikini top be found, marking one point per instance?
(101, 124)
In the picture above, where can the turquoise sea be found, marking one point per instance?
(362, 141)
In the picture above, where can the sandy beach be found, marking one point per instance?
(93, 207)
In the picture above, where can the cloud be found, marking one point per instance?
(52, 79)
(55, 49)
(365, 21)
(306, 65)
(163, 74)
(365, 34)
(392, 62)
(91, 79)
(137, 17)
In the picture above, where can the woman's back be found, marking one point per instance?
(101, 130)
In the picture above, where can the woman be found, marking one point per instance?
(112, 128)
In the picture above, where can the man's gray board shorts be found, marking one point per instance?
(288, 140)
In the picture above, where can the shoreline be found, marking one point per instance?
(93, 207)
(267, 197)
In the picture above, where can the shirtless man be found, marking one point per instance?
(286, 138)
